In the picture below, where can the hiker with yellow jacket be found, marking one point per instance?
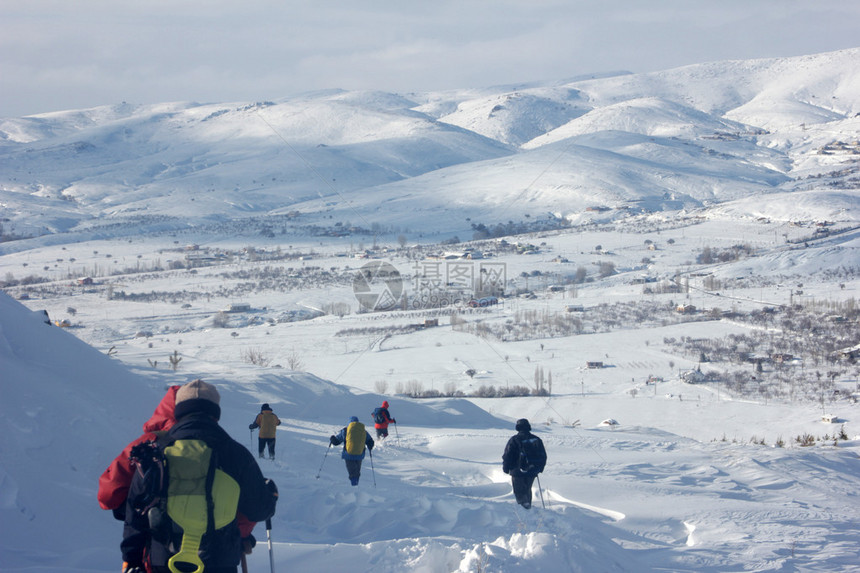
(355, 438)
(267, 421)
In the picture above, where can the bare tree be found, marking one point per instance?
(255, 356)
(175, 359)
(294, 360)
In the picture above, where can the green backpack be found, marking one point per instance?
(182, 482)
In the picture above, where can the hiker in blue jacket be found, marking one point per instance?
(524, 459)
(355, 439)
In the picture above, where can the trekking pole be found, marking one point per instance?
(396, 434)
(324, 457)
(540, 491)
(269, 540)
(244, 563)
(373, 473)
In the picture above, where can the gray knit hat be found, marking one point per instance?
(197, 396)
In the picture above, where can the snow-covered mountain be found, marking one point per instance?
(683, 138)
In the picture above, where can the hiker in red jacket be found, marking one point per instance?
(381, 419)
(114, 482)
(116, 479)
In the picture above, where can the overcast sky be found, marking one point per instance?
(62, 54)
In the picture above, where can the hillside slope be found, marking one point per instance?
(679, 139)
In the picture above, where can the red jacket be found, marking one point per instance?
(116, 479)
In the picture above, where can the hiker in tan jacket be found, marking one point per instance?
(267, 421)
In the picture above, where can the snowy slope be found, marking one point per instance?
(218, 160)
(746, 128)
(566, 179)
(58, 427)
(647, 496)
(813, 88)
(69, 409)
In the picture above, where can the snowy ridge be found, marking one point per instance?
(335, 154)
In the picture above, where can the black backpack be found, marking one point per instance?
(531, 457)
(378, 416)
(148, 460)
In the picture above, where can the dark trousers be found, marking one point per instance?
(263, 442)
(381, 432)
(523, 488)
(353, 468)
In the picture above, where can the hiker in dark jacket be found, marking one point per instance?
(197, 411)
(116, 479)
(522, 471)
(353, 446)
(381, 419)
(267, 421)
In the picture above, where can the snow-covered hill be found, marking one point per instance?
(689, 137)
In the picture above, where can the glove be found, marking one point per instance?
(370, 447)
(393, 421)
(248, 544)
(252, 426)
(273, 489)
(129, 568)
(333, 440)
